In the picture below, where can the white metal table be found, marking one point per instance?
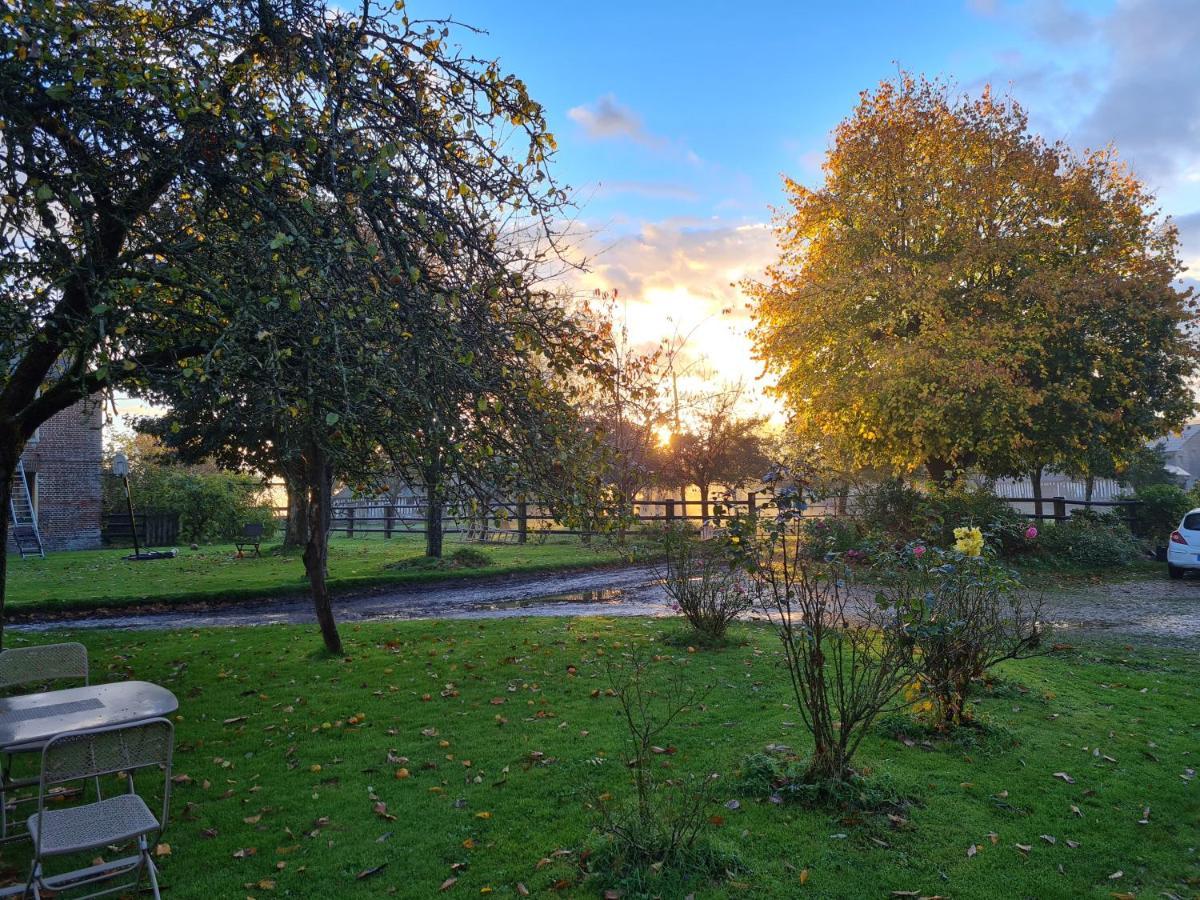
(35, 718)
(32, 719)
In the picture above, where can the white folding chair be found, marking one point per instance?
(95, 753)
(23, 667)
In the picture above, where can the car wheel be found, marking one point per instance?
(1174, 571)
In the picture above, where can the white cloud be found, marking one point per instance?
(608, 119)
(680, 277)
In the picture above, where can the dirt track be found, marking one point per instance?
(1148, 608)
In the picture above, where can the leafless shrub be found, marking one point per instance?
(663, 825)
(848, 659)
(703, 584)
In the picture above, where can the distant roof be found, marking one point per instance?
(1175, 470)
(1176, 439)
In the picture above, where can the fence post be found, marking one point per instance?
(522, 521)
(389, 517)
(752, 503)
(683, 513)
(670, 507)
(1060, 508)
(349, 521)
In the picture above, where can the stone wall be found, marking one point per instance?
(65, 458)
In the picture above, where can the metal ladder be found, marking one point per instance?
(25, 532)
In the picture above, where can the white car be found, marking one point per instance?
(1183, 549)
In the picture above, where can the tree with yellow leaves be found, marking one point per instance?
(960, 294)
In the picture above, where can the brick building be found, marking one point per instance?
(63, 465)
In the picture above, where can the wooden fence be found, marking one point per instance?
(1062, 508)
(517, 521)
(154, 529)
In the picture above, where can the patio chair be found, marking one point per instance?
(34, 667)
(94, 753)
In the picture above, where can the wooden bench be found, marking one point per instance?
(252, 538)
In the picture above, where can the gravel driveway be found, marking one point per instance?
(1147, 608)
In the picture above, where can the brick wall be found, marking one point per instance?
(66, 458)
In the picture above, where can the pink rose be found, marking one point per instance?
(1031, 532)
(918, 552)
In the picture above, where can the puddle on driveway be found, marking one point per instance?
(606, 596)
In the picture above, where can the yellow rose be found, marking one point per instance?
(968, 541)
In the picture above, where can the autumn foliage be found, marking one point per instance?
(961, 293)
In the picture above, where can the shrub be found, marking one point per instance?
(847, 657)
(966, 615)
(211, 505)
(706, 589)
(830, 535)
(1089, 540)
(974, 506)
(661, 831)
(893, 507)
(1162, 507)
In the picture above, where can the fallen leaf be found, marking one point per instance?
(804, 876)
(972, 850)
(1025, 848)
(162, 849)
(1065, 777)
(244, 852)
(522, 890)
(374, 870)
(1115, 875)
(449, 882)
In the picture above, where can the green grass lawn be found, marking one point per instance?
(89, 578)
(507, 738)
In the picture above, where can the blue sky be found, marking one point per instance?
(675, 120)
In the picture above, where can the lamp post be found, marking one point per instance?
(120, 468)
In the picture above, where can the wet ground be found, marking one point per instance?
(1147, 608)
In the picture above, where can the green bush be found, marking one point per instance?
(211, 506)
(831, 535)
(1002, 526)
(1089, 540)
(1162, 507)
(893, 507)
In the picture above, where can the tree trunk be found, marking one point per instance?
(8, 467)
(1089, 488)
(1035, 479)
(296, 527)
(319, 485)
(435, 498)
(433, 524)
(940, 472)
